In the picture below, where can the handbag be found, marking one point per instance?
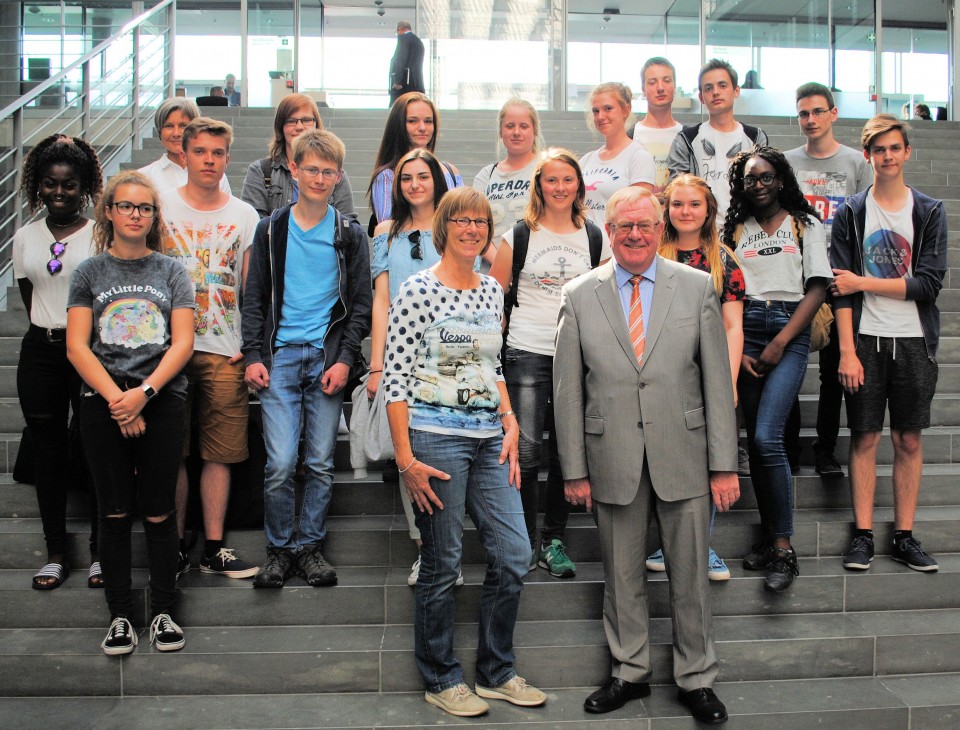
(820, 328)
(373, 431)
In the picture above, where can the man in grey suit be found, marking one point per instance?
(406, 68)
(645, 422)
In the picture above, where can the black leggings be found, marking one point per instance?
(136, 474)
(48, 387)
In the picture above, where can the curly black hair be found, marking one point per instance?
(790, 197)
(59, 149)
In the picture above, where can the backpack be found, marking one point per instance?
(521, 241)
(690, 132)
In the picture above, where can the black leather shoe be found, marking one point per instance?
(781, 572)
(614, 695)
(704, 705)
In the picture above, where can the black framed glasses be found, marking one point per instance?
(416, 251)
(55, 265)
(146, 210)
(766, 178)
(480, 223)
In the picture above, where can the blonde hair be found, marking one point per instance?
(623, 96)
(453, 205)
(536, 205)
(103, 226)
(534, 122)
(206, 125)
(325, 145)
(709, 239)
(881, 124)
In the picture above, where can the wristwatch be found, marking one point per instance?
(148, 390)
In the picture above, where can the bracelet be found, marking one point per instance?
(503, 415)
(404, 471)
(375, 371)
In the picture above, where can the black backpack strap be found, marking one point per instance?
(690, 131)
(751, 132)
(521, 241)
(266, 169)
(595, 238)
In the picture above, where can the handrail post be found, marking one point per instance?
(171, 47)
(18, 162)
(85, 100)
(135, 92)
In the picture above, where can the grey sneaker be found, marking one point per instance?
(910, 553)
(860, 553)
(515, 691)
(459, 700)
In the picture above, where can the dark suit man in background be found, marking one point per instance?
(646, 426)
(406, 68)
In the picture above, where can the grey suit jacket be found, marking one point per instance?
(677, 410)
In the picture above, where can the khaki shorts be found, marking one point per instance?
(219, 395)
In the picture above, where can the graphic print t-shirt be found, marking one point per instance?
(508, 193)
(714, 150)
(774, 267)
(657, 142)
(888, 254)
(826, 182)
(210, 246)
(131, 302)
(552, 260)
(734, 286)
(605, 177)
(443, 355)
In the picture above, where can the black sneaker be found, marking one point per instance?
(759, 557)
(228, 564)
(315, 569)
(120, 638)
(827, 466)
(781, 571)
(909, 552)
(279, 567)
(165, 635)
(183, 565)
(860, 553)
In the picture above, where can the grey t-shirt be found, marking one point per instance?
(825, 182)
(131, 302)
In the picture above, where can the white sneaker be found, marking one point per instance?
(458, 700)
(415, 575)
(343, 429)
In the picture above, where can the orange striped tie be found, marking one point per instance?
(637, 336)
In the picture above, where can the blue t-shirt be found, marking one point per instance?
(310, 283)
(396, 260)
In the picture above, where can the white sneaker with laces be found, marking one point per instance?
(165, 635)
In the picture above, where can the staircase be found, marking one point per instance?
(876, 650)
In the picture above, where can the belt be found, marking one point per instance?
(52, 335)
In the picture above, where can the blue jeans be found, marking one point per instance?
(529, 379)
(766, 404)
(294, 397)
(478, 485)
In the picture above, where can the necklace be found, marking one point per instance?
(51, 222)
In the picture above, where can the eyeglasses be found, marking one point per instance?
(816, 113)
(124, 207)
(623, 229)
(55, 265)
(416, 251)
(766, 178)
(312, 172)
(305, 121)
(481, 223)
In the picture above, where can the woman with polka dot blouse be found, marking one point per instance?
(455, 438)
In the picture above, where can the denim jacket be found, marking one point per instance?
(262, 300)
(928, 261)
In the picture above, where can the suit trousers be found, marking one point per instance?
(685, 534)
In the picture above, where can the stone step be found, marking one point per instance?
(879, 703)
(379, 658)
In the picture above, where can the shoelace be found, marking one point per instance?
(558, 551)
(785, 561)
(226, 555)
(161, 624)
(461, 692)
(860, 542)
(119, 629)
(912, 544)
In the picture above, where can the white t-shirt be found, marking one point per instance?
(657, 142)
(714, 151)
(887, 254)
(605, 177)
(508, 193)
(31, 252)
(166, 175)
(210, 244)
(552, 260)
(772, 265)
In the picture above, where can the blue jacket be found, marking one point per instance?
(262, 300)
(928, 260)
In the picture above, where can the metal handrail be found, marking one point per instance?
(110, 128)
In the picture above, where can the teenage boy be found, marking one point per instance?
(306, 309)
(657, 130)
(889, 255)
(706, 149)
(827, 172)
(210, 232)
